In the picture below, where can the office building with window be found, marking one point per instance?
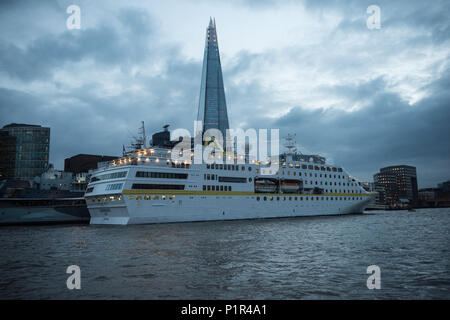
(24, 150)
(397, 183)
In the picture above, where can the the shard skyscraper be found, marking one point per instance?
(212, 107)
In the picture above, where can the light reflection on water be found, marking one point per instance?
(298, 258)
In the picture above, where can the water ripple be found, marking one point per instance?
(295, 258)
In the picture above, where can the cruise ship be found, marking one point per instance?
(147, 186)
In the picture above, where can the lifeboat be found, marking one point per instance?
(265, 186)
(290, 186)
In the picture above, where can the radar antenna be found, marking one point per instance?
(290, 143)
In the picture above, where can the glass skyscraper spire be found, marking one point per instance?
(212, 108)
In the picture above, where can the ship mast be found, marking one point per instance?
(290, 144)
(141, 141)
(143, 136)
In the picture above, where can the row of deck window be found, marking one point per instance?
(114, 175)
(148, 197)
(312, 167)
(306, 198)
(172, 197)
(226, 179)
(217, 188)
(161, 175)
(230, 167)
(320, 175)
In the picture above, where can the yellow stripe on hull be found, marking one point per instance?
(240, 193)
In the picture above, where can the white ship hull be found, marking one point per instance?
(211, 208)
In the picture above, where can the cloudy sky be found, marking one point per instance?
(363, 98)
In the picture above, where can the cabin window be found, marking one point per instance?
(108, 176)
(233, 179)
(161, 175)
(158, 186)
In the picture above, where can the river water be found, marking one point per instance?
(295, 258)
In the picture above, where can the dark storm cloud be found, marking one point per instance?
(386, 132)
(105, 45)
(82, 118)
(419, 15)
